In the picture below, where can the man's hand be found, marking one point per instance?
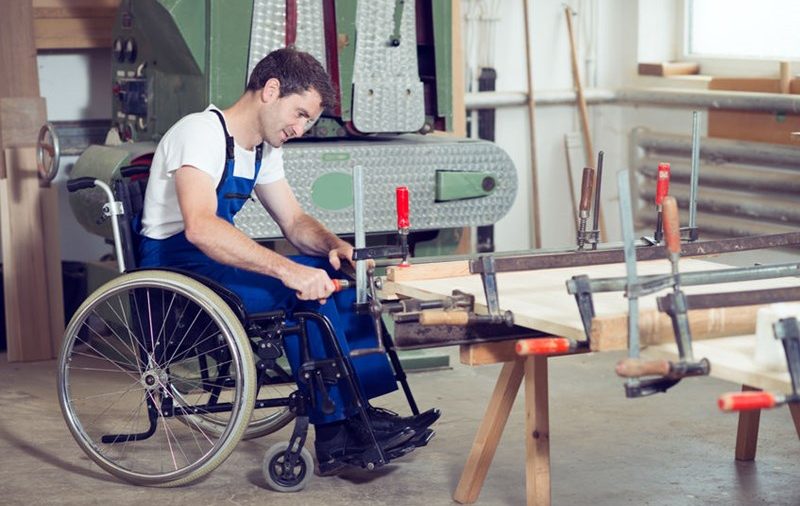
(310, 283)
(343, 252)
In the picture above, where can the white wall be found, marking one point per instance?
(76, 85)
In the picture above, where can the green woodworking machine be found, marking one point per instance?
(390, 61)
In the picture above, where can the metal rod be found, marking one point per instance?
(695, 170)
(359, 231)
(628, 238)
(699, 278)
(535, 261)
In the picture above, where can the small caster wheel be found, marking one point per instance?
(283, 476)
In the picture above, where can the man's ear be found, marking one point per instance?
(271, 90)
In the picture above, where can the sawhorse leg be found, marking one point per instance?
(537, 427)
(747, 432)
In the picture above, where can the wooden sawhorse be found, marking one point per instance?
(537, 421)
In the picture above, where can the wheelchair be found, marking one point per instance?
(162, 371)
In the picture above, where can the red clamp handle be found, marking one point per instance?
(341, 284)
(401, 193)
(543, 346)
(662, 182)
(743, 401)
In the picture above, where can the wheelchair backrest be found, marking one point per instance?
(129, 190)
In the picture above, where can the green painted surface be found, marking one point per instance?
(335, 157)
(346, 31)
(333, 191)
(443, 48)
(423, 360)
(228, 50)
(445, 243)
(190, 19)
(459, 185)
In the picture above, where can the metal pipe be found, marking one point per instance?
(719, 149)
(733, 275)
(695, 169)
(359, 231)
(701, 99)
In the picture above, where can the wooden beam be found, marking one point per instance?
(747, 431)
(537, 433)
(73, 24)
(417, 272)
(610, 333)
(488, 353)
(489, 432)
(28, 213)
(24, 270)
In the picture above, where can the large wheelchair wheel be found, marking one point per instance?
(144, 357)
(264, 420)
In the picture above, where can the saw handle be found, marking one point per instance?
(672, 225)
(745, 401)
(634, 368)
(459, 318)
(401, 194)
(662, 182)
(586, 189)
(544, 346)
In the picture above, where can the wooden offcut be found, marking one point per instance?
(667, 69)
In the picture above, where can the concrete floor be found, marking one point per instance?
(672, 449)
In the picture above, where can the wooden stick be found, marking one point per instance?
(435, 270)
(786, 76)
(536, 222)
(584, 114)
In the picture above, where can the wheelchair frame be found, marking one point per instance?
(242, 353)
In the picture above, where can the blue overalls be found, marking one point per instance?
(263, 293)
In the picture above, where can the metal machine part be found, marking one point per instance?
(321, 175)
(172, 58)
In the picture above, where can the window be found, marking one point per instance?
(743, 29)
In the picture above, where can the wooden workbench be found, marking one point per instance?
(539, 301)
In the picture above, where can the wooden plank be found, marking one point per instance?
(24, 268)
(73, 33)
(747, 431)
(73, 24)
(794, 409)
(539, 299)
(22, 117)
(489, 432)
(748, 125)
(488, 353)
(51, 241)
(731, 360)
(537, 432)
(437, 270)
(671, 68)
(610, 332)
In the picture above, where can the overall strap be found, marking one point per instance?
(229, 156)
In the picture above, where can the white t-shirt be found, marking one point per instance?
(197, 140)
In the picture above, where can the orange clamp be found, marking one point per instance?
(543, 346)
(744, 401)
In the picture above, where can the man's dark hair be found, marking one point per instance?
(297, 72)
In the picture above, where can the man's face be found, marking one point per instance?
(286, 117)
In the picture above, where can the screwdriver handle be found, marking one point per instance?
(401, 194)
(672, 225)
(587, 184)
(459, 318)
(341, 284)
(744, 401)
(633, 368)
(544, 346)
(662, 182)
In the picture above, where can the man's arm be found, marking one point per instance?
(226, 244)
(303, 231)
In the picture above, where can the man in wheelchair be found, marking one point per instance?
(203, 171)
